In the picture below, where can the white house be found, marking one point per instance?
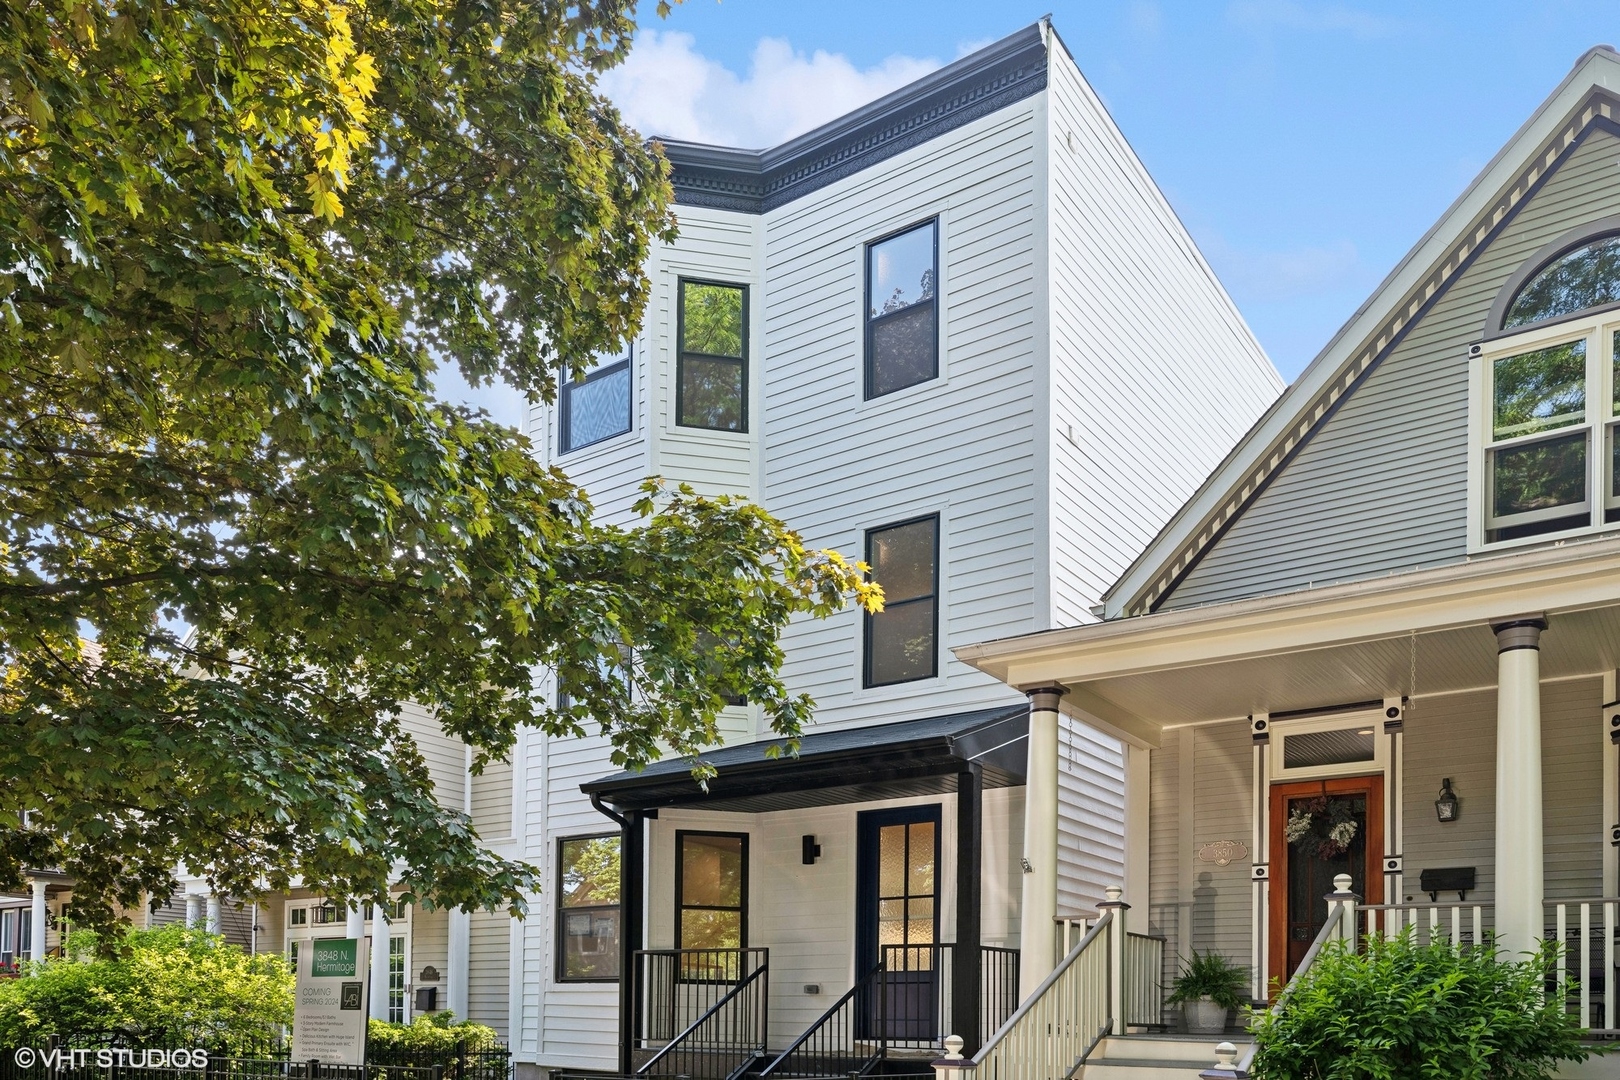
(1396, 606)
(959, 333)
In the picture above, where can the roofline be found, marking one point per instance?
(1562, 577)
(754, 181)
(1430, 252)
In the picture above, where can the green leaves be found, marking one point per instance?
(1403, 1011)
(221, 458)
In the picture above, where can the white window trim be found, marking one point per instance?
(1598, 328)
(1281, 729)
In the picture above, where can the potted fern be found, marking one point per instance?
(1209, 987)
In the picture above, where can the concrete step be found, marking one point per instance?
(1198, 1050)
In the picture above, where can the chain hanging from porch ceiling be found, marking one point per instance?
(1411, 679)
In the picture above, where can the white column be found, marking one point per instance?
(194, 910)
(1036, 931)
(455, 994)
(1519, 864)
(212, 919)
(354, 923)
(36, 915)
(1137, 779)
(379, 962)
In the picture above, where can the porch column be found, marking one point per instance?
(1137, 786)
(1518, 783)
(455, 992)
(379, 962)
(36, 930)
(194, 911)
(1036, 927)
(968, 963)
(632, 908)
(211, 917)
(354, 922)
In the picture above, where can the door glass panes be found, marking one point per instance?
(907, 893)
(712, 378)
(1540, 390)
(1584, 278)
(1312, 866)
(396, 980)
(900, 639)
(902, 334)
(595, 406)
(713, 891)
(588, 908)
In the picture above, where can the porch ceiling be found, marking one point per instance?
(883, 761)
(1457, 658)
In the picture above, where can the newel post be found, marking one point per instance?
(1116, 956)
(1342, 909)
(953, 1066)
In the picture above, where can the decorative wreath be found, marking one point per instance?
(1323, 826)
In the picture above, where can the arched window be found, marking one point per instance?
(1587, 277)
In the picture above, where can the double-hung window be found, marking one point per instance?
(711, 378)
(1550, 404)
(588, 909)
(597, 404)
(902, 310)
(901, 640)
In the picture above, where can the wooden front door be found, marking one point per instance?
(1302, 872)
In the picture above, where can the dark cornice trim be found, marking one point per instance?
(754, 181)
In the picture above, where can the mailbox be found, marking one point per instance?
(1457, 879)
(427, 999)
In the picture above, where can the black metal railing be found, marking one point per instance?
(846, 1040)
(702, 1013)
(918, 991)
(998, 988)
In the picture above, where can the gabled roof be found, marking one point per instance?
(1587, 98)
(753, 181)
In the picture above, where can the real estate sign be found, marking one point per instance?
(329, 1014)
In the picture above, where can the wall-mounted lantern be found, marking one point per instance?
(812, 850)
(1446, 806)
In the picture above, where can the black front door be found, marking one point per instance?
(897, 906)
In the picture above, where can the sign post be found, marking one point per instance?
(329, 1012)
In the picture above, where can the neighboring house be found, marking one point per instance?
(958, 333)
(426, 961)
(1396, 606)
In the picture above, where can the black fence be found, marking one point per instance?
(119, 1056)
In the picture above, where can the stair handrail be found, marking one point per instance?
(804, 1037)
(730, 995)
(1097, 931)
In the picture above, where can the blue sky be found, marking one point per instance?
(1305, 145)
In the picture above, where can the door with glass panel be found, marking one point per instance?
(897, 906)
(1319, 830)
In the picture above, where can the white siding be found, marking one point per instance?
(487, 970)
(1091, 840)
(492, 801)
(446, 755)
(1154, 374)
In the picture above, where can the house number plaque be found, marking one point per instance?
(1223, 852)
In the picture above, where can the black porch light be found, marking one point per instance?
(1445, 807)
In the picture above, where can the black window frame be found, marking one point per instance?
(566, 386)
(680, 884)
(868, 320)
(559, 911)
(868, 619)
(681, 354)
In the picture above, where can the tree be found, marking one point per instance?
(235, 239)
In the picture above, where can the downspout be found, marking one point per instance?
(631, 895)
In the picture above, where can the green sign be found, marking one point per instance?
(332, 959)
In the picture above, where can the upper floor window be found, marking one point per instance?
(711, 381)
(902, 311)
(596, 405)
(900, 639)
(1587, 277)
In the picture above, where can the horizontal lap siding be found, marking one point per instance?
(446, 756)
(430, 948)
(1451, 736)
(1382, 487)
(1164, 851)
(962, 446)
(1573, 749)
(1091, 840)
(1153, 370)
(492, 801)
(488, 964)
(1222, 897)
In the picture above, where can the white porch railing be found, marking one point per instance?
(1587, 927)
(1060, 1023)
(1460, 923)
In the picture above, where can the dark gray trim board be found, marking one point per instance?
(754, 181)
(1581, 235)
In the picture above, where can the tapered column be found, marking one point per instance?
(1518, 784)
(1036, 929)
(379, 962)
(36, 930)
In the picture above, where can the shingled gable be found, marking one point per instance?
(1585, 103)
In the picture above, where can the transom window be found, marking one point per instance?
(596, 405)
(1550, 457)
(901, 639)
(711, 388)
(902, 312)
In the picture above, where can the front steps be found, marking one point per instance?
(1156, 1057)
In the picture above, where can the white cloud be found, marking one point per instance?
(666, 87)
(1328, 18)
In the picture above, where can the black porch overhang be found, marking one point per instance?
(856, 764)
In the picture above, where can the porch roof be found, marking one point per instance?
(852, 764)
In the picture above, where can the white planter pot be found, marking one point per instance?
(1204, 1017)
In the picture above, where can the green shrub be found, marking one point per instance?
(1210, 975)
(1403, 1011)
(436, 1033)
(174, 984)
